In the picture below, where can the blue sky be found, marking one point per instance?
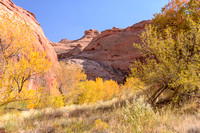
(61, 19)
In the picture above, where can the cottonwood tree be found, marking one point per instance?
(176, 15)
(171, 66)
(171, 52)
(68, 78)
(19, 58)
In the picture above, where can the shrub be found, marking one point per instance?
(93, 91)
(41, 98)
(75, 89)
(140, 116)
(100, 125)
(133, 85)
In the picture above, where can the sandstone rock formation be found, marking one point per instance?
(108, 55)
(43, 43)
(66, 48)
(114, 48)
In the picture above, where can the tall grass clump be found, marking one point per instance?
(140, 116)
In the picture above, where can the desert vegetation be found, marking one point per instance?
(19, 60)
(160, 95)
(171, 58)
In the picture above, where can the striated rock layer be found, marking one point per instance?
(107, 55)
(42, 42)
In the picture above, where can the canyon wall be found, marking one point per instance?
(107, 55)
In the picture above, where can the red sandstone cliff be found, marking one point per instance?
(66, 48)
(43, 43)
(107, 55)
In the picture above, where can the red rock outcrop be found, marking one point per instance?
(109, 54)
(66, 48)
(114, 48)
(42, 42)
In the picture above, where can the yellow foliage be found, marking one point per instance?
(100, 125)
(75, 89)
(41, 99)
(19, 59)
(93, 91)
(68, 77)
(85, 92)
(133, 85)
(177, 14)
(170, 64)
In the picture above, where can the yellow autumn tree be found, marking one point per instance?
(68, 77)
(92, 91)
(177, 14)
(169, 66)
(171, 48)
(19, 59)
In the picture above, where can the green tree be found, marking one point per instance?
(170, 48)
(169, 66)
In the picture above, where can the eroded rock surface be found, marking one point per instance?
(107, 55)
(66, 48)
(94, 69)
(114, 48)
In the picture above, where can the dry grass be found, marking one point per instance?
(118, 115)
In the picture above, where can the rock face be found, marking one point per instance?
(95, 69)
(66, 48)
(108, 55)
(43, 43)
(114, 48)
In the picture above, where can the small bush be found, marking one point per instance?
(133, 85)
(43, 99)
(100, 125)
(140, 116)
